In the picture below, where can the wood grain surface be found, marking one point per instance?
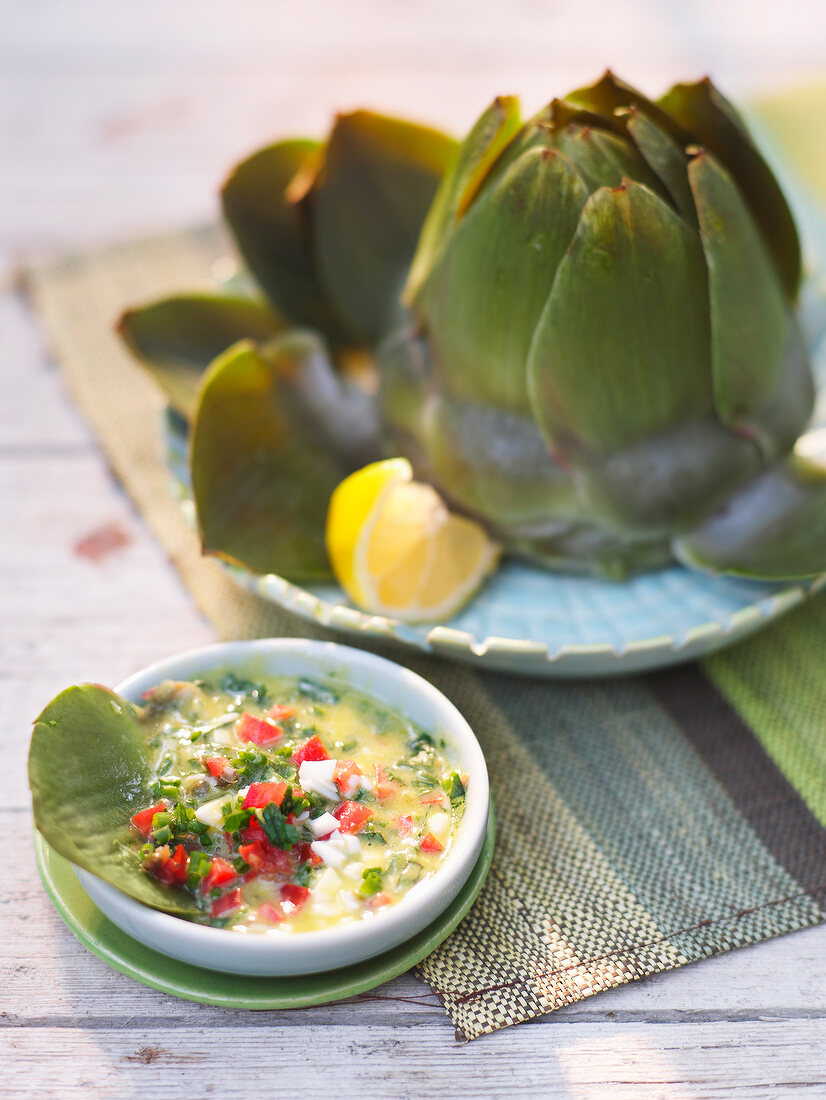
(117, 118)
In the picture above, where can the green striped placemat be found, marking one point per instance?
(644, 823)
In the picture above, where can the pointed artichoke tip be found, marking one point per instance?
(503, 102)
(348, 118)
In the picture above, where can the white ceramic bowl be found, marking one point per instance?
(275, 953)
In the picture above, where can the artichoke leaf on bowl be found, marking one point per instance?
(89, 775)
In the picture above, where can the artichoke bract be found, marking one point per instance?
(603, 361)
(579, 328)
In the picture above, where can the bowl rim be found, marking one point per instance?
(424, 900)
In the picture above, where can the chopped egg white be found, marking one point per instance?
(335, 851)
(328, 883)
(349, 900)
(209, 813)
(320, 826)
(350, 843)
(329, 852)
(317, 776)
(439, 826)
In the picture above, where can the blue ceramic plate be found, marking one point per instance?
(529, 621)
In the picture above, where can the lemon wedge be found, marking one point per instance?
(396, 550)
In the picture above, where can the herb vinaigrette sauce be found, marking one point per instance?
(291, 804)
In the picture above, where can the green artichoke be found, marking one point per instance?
(603, 361)
(582, 329)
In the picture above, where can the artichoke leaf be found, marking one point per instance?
(470, 165)
(486, 292)
(773, 529)
(668, 481)
(562, 112)
(591, 549)
(89, 775)
(789, 405)
(750, 317)
(611, 97)
(621, 351)
(265, 209)
(483, 460)
(263, 467)
(714, 123)
(665, 157)
(604, 159)
(177, 338)
(496, 466)
(371, 195)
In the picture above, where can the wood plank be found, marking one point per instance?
(757, 1061)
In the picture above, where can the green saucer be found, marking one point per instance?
(194, 983)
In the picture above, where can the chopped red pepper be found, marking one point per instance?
(404, 824)
(277, 862)
(142, 820)
(257, 730)
(227, 904)
(269, 913)
(265, 859)
(429, 843)
(384, 787)
(306, 853)
(174, 868)
(378, 900)
(253, 854)
(280, 713)
(219, 874)
(217, 765)
(293, 897)
(261, 794)
(252, 832)
(345, 770)
(352, 817)
(433, 798)
(310, 750)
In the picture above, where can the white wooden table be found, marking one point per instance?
(115, 118)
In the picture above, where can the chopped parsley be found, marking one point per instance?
(279, 833)
(236, 685)
(453, 787)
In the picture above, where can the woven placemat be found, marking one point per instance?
(643, 823)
